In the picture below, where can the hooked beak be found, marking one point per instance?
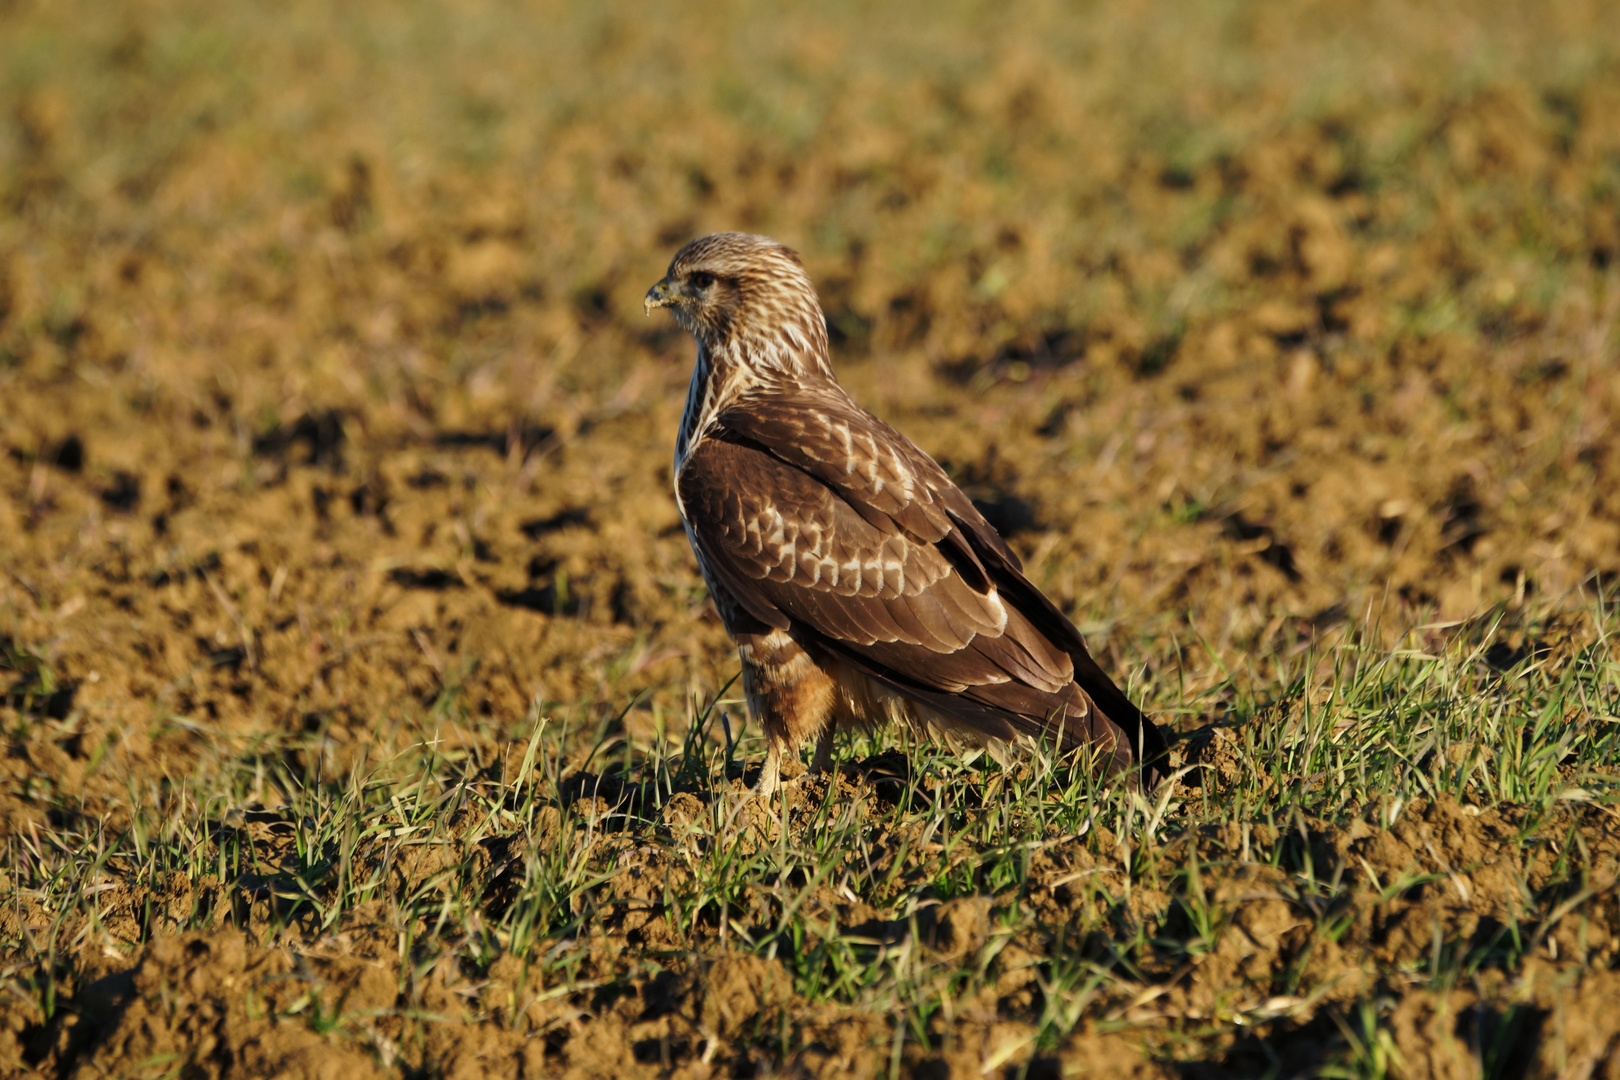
(658, 296)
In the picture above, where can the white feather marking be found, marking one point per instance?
(993, 599)
(903, 474)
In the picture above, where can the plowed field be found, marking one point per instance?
(363, 710)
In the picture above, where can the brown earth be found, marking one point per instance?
(337, 1004)
(332, 439)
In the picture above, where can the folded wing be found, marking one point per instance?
(813, 514)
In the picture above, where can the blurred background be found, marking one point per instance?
(326, 395)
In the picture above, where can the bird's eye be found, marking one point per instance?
(702, 279)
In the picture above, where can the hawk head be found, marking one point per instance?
(747, 300)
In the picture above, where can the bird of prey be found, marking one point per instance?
(860, 584)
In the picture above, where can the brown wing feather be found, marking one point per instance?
(875, 468)
(1146, 740)
(809, 555)
(868, 557)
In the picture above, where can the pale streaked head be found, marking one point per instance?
(747, 300)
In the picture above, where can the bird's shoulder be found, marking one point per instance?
(823, 433)
(767, 518)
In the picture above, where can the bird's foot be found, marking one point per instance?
(822, 762)
(770, 778)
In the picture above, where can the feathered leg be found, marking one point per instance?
(770, 778)
(822, 762)
(788, 693)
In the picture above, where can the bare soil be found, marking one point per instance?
(332, 437)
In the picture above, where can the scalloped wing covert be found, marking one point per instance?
(815, 517)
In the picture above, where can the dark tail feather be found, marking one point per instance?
(1148, 747)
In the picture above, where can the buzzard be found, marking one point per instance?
(860, 585)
